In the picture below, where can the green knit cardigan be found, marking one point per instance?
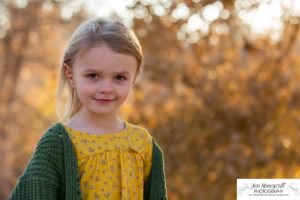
(52, 171)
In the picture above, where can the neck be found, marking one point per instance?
(89, 122)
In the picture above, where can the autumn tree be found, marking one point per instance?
(222, 101)
(29, 56)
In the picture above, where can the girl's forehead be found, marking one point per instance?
(103, 51)
(102, 57)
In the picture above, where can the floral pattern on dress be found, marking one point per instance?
(115, 165)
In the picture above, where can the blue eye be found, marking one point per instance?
(121, 78)
(92, 76)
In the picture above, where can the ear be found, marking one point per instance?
(69, 74)
(135, 77)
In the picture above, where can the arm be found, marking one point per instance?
(155, 185)
(43, 176)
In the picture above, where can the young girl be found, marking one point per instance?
(95, 154)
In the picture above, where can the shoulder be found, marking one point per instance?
(54, 132)
(140, 138)
(139, 131)
(48, 155)
(52, 138)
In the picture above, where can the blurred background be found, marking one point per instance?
(220, 90)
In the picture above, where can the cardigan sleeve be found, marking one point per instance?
(43, 176)
(155, 184)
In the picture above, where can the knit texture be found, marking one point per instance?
(52, 171)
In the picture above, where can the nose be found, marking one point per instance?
(105, 86)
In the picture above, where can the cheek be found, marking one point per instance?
(124, 90)
(83, 90)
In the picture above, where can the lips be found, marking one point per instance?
(104, 100)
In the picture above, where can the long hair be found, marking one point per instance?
(89, 34)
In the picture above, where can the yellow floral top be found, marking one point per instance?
(113, 166)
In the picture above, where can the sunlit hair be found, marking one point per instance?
(89, 34)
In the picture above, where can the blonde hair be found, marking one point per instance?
(89, 34)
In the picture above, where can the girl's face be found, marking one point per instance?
(102, 79)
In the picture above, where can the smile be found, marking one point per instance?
(104, 100)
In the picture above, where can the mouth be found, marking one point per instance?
(105, 100)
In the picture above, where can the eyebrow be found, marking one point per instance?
(92, 70)
(122, 72)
